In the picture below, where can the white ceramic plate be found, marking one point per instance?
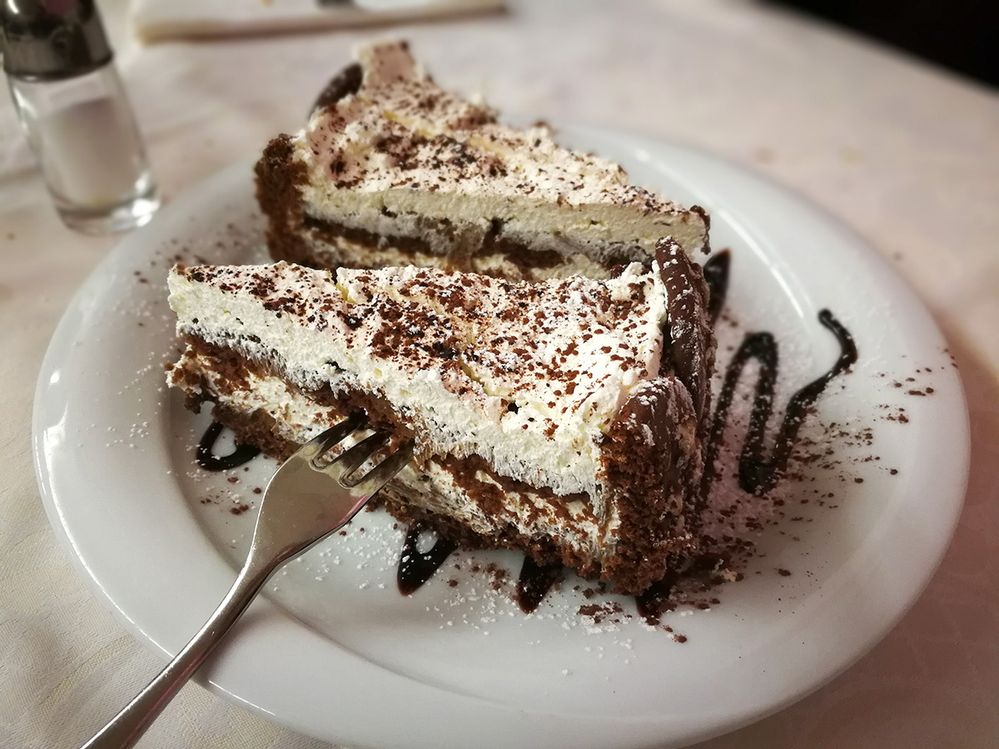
(334, 651)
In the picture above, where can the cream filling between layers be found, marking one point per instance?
(298, 419)
(358, 255)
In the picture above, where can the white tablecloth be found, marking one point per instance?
(905, 154)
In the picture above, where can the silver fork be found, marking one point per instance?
(306, 500)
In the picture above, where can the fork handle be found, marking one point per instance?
(128, 725)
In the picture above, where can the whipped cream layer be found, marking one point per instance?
(527, 376)
(401, 157)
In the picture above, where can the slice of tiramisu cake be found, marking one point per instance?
(394, 170)
(563, 418)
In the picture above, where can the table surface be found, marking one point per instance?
(904, 153)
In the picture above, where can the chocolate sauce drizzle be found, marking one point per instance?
(208, 460)
(757, 474)
(716, 278)
(534, 583)
(416, 567)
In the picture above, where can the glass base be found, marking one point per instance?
(122, 217)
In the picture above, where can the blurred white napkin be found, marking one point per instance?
(156, 20)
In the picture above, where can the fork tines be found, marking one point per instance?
(345, 465)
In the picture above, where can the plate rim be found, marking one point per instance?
(645, 737)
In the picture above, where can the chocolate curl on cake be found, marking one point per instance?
(691, 350)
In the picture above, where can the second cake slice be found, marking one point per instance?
(564, 418)
(394, 170)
